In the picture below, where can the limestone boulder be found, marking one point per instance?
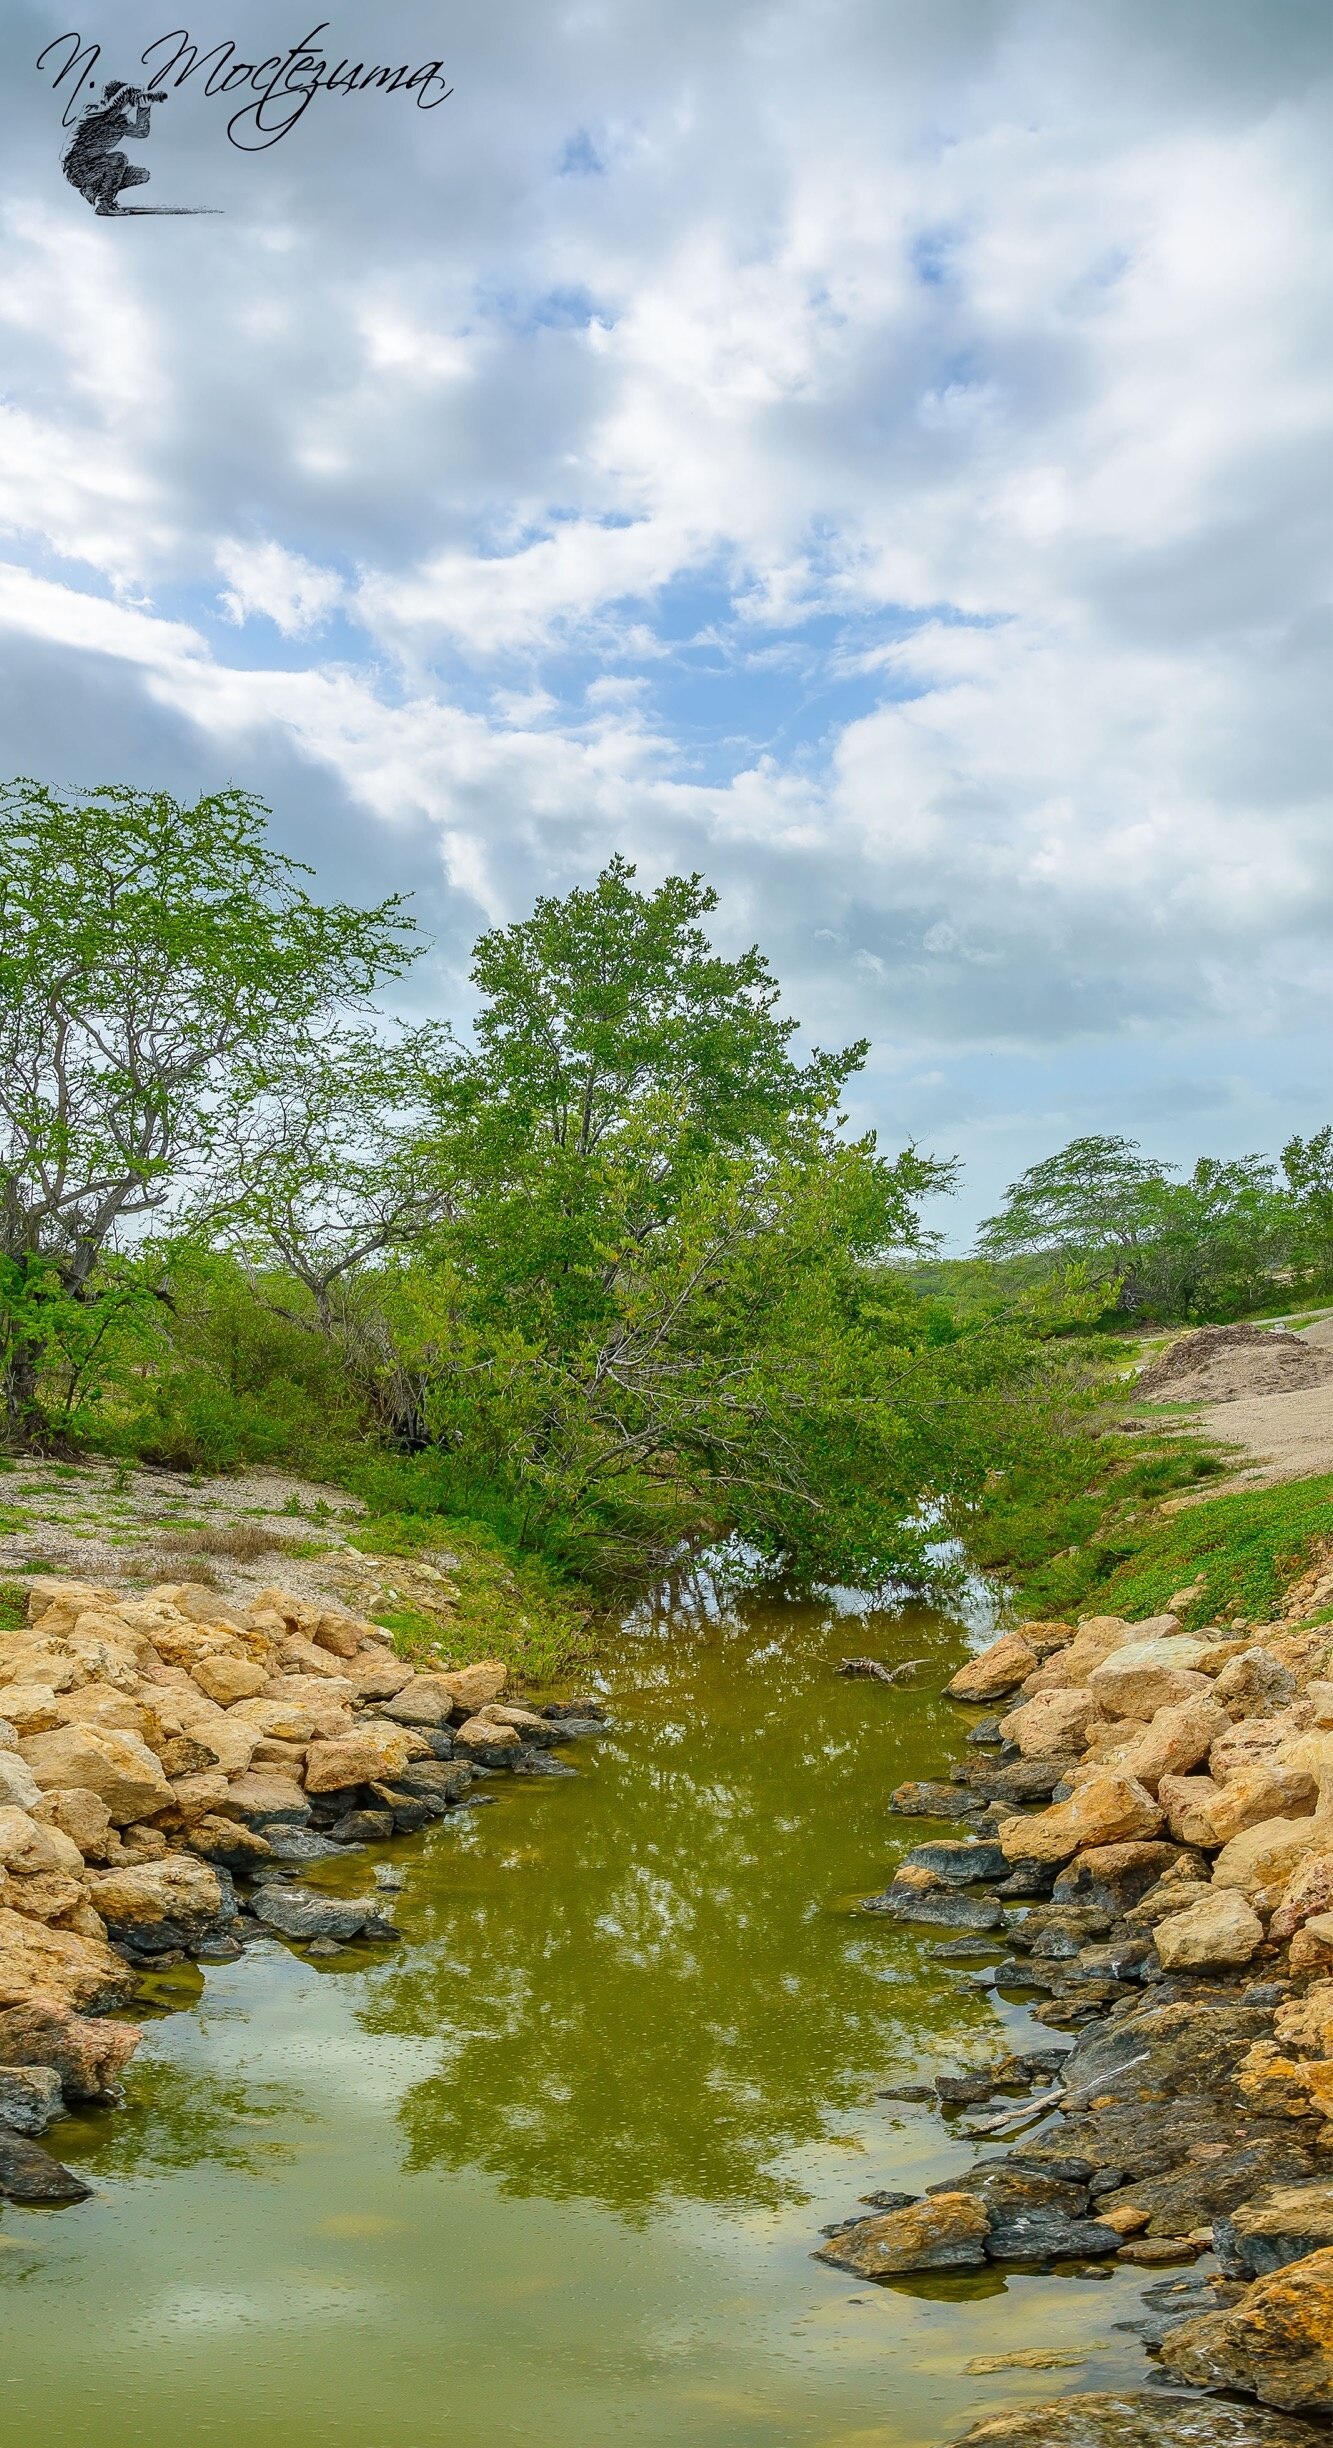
(1146, 1675)
(1307, 1894)
(1053, 1725)
(118, 1766)
(376, 1751)
(257, 1799)
(58, 1603)
(1097, 1638)
(1312, 1947)
(27, 1661)
(227, 1679)
(19, 1789)
(1255, 1684)
(1109, 1809)
(1306, 2022)
(377, 1674)
(302, 1655)
(426, 1700)
(102, 1704)
(1284, 2223)
(1222, 1928)
(31, 1708)
(1276, 2344)
(474, 1687)
(1268, 1790)
(339, 1634)
(997, 1671)
(1252, 1739)
(311, 1693)
(1174, 1741)
(81, 1815)
(280, 1720)
(1138, 2419)
(1264, 1857)
(59, 1965)
(1187, 1802)
(179, 1902)
(228, 1842)
(196, 1796)
(944, 2231)
(27, 1847)
(490, 1745)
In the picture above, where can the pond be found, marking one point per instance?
(552, 2169)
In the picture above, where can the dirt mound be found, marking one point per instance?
(1221, 1364)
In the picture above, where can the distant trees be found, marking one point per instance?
(1210, 1246)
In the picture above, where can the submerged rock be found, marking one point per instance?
(958, 1864)
(1139, 2419)
(934, 1800)
(945, 1907)
(945, 2231)
(30, 2174)
(297, 1912)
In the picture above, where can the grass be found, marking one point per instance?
(13, 1606)
(500, 1605)
(1245, 1550)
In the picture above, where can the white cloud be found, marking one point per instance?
(282, 586)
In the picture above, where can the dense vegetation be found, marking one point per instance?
(612, 1277)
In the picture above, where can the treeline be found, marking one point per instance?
(613, 1276)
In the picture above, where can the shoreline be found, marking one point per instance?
(1144, 1819)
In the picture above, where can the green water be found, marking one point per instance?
(551, 2171)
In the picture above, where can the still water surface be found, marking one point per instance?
(551, 2170)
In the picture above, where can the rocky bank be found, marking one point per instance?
(1142, 1829)
(169, 1765)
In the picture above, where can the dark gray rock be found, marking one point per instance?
(944, 1907)
(960, 1950)
(985, 1732)
(409, 1812)
(530, 1762)
(963, 2090)
(30, 2174)
(923, 1800)
(1011, 2187)
(1044, 2235)
(1146, 2418)
(30, 2098)
(1015, 1780)
(1113, 1878)
(1029, 1878)
(889, 2200)
(1282, 2223)
(293, 1844)
(1169, 2052)
(361, 1827)
(915, 2093)
(297, 1912)
(958, 1864)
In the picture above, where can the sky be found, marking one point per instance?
(874, 452)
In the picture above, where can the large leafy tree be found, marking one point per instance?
(150, 952)
(649, 1313)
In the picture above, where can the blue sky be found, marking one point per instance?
(876, 453)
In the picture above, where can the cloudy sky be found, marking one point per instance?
(875, 451)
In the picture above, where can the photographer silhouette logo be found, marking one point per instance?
(93, 161)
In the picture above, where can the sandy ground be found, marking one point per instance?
(1287, 1436)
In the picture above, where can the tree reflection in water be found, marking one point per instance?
(650, 1985)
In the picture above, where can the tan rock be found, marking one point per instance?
(1306, 2023)
(474, 1687)
(1272, 2084)
(26, 1846)
(378, 1674)
(1097, 1638)
(227, 1679)
(425, 1700)
(118, 1766)
(197, 1796)
(81, 1815)
(1255, 1684)
(1220, 1928)
(306, 1691)
(37, 1962)
(943, 2231)
(1053, 1725)
(1276, 2344)
(373, 1752)
(1147, 1675)
(49, 1895)
(31, 1708)
(301, 1655)
(229, 1841)
(1252, 1740)
(1109, 1809)
(339, 1635)
(1187, 1801)
(1308, 1892)
(1265, 1856)
(1175, 1741)
(1320, 1697)
(1312, 1947)
(481, 1735)
(87, 2056)
(256, 1799)
(996, 1671)
(1127, 2220)
(179, 1643)
(279, 1720)
(280, 1759)
(19, 1789)
(1267, 1791)
(41, 1662)
(59, 1603)
(103, 1704)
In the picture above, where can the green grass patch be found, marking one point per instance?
(510, 1607)
(13, 1606)
(1245, 1549)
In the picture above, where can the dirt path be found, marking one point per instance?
(1286, 1435)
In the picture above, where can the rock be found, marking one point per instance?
(1307, 1894)
(357, 1759)
(1144, 2419)
(997, 1671)
(340, 1635)
(87, 2057)
(81, 1815)
(30, 2098)
(363, 1827)
(256, 1800)
(30, 2174)
(1252, 1739)
(1097, 1638)
(940, 1907)
(946, 2231)
(1147, 1675)
(378, 1674)
(31, 1708)
(116, 1765)
(437, 1781)
(1265, 1856)
(1281, 2224)
(1222, 1928)
(494, 1746)
(959, 1865)
(1188, 1801)
(226, 1679)
(60, 1964)
(1174, 1741)
(301, 1844)
(285, 1720)
(1268, 1790)
(425, 1701)
(924, 1800)
(27, 1848)
(1163, 2053)
(1276, 2344)
(299, 1913)
(1108, 1809)
(1054, 1724)
(1255, 1685)
(19, 1789)
(1017, 1780)
(228, 1842)
(1202, 2187)
(179, 1902)
(1046, 2235)
(1159, 2252)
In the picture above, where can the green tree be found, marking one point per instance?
(649, 1315)
(1308, 1168)
(149, 951)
